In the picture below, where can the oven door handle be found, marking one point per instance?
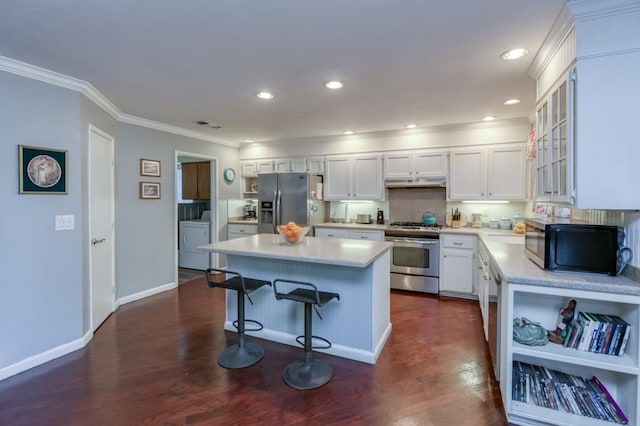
(413, 241)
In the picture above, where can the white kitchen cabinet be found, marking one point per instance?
(314, 165)
(248, 168)
(353, 234)
(620, 374)
(193, 234)
(251, 168)
(366, 235)
(354, 177)
(412, 165)
(241, 230)
(488, 173)
(482, 282)
(331, 233)
(264, 166)
(282, 165)
(457, 265)
(298, 165)
(554, 142)
(506, 173)
(468, 175)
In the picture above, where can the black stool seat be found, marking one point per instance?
(244, 353)
(307, 373)
(316, 297)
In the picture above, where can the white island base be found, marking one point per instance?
(358, 325)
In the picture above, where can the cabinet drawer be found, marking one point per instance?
(366, 235)
(331, 233)
(459, 241)
(243, 229)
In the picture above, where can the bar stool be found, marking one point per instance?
(243, 354)
(307, 373)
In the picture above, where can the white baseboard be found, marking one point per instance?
(336, 350)
(41, 358)
(64, 349)
(146, 293)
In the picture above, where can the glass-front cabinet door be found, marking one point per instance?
(554, 139)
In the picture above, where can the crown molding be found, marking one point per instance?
(558, 33)
(57, 79)
(150, 124)
(583, 10)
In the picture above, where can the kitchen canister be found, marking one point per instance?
(505, 223)
(476, 220)
(494, 224)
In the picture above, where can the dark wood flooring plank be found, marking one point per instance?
(154, 362)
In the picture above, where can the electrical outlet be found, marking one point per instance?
(65, 222)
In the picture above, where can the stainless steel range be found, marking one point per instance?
(415, 256)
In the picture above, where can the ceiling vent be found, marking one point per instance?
(206, 123)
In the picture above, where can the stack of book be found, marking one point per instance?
(552, 389)
(599, 333)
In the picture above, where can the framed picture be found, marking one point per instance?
(150, 190)
(42, 170)
(149, 167)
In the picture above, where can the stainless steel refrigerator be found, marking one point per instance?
(289, 197)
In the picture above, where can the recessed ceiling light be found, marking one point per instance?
(489, 118)
(265, 95)
(512, 54)
(511, 101)
(348, 132)
(333, 84)
(411, 126)
(249, 140)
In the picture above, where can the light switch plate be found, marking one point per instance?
(65, 222)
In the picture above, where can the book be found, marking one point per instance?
(604, 390)
(587, 328)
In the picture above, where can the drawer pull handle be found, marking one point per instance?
(457, 243)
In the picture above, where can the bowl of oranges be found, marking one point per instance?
(292, 233)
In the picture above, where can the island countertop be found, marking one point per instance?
(329, 251)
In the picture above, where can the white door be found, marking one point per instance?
(101, 207)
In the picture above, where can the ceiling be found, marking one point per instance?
(402, 61)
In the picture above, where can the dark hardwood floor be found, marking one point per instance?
(154, 362)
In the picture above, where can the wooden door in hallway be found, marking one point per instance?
(101, 202)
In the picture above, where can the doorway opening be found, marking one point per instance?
(196, 213)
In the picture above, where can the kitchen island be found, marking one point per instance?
(357, 325)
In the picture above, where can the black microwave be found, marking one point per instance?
(576, 246)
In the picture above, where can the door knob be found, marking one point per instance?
(98, 241)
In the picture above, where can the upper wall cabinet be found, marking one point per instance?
(196, 180)
(353, 177)
(554, 142)
(413, 165)
(251, 168)
(315, 165)
(488, 173)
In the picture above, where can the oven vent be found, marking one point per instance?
(436, 182)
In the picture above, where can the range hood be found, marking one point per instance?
(434, 182)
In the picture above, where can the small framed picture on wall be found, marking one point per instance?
(149, 167)
(150, 190)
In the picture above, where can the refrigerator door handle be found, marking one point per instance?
(274, 212)
(279, 209)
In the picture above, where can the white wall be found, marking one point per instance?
(505, 131)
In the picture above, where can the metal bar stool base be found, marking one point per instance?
(239, 357)
(307, 374)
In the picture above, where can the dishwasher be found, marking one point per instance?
(489, 296)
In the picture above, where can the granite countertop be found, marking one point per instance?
(241, 221)
(516, 268)
(330, 251)
(352, 225)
